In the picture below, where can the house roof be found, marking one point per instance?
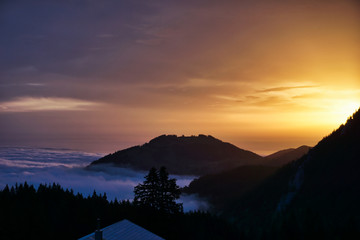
(124, 230)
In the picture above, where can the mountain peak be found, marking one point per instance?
(190, 155)
(287, 155)
(170, 139)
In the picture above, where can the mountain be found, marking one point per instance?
(316, 196)
(221, 188)
(285, 156)
(194, 155)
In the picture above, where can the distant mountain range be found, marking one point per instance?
(193, 155)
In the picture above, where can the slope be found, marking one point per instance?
(285, 156)
(315, 196)
(220, 188)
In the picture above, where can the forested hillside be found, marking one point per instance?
(315, 196)
(222, 188)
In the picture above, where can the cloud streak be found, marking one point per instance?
(279, 89)
(31, 104)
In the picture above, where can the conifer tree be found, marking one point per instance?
(146, 194)
(169, 192)
(158, 192)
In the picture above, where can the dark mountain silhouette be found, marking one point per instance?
(219, 189)
(195, 155)
(316, 196)
(285, 156)
(329, 177)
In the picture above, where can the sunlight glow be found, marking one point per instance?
(344, 109)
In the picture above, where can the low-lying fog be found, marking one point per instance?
(66, 167)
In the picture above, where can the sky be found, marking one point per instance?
(100, 76)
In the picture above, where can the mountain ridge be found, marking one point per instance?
(184, 155)
(192, 155)
(285, 156)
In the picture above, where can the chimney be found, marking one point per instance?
(98, 232)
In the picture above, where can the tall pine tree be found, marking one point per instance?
(158, 192)
(169, 192)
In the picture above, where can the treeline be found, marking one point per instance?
(51, 212)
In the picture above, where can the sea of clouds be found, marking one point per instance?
(67, 167)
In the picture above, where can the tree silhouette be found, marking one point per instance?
(158, 192)
(146, 194)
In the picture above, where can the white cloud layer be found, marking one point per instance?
(66, 167)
